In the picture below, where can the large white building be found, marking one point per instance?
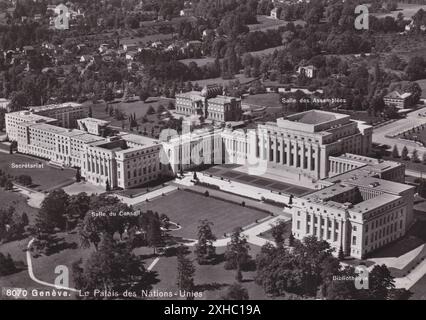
(210, 104)
(304, 142)
(124, 161)
(360, 209)
(66, 113)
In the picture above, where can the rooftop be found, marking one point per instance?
(221, 99)
(56, 106)
(27, 116)
(314, 117)
(137, 139)
(94, 121)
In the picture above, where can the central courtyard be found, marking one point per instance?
(188, 208)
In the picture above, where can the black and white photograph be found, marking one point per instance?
(225, 152)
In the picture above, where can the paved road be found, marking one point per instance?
(412, 120)
(33, 277)
(150, 195)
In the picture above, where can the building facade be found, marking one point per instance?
(359, 210)
(210, 104)
(397, 99)
(304, 142)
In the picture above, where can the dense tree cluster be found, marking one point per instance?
(308, 270)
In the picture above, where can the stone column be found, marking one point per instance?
(288, 142)
(311, 232)
(333, 227)
(295, 154)
(274, 148)
(326, 229)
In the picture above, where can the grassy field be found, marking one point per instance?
(265, 52)
(211, 280)
(188, 208)
(268, 234)
(200, 62)
(264, 99)
(17, 201)
(267, 23)
(407, 9)
(240, 77)
(44, 179)
(138, 107)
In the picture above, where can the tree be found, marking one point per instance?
(185, 273)
(421, 189)
(236, 292)
(404, 154)
(341, 254)
(25, 219)
(236, 255)
(150, 110)
(415, 156)
(78, 175)
(113, 268)
(343, 290)
(25, 180)
(415, 69)
(151, 223)
(415, 90)
(305, 269)
(7, 265)
(108, 95)
(107, 186)
(52, 211)
(8, 186)
(395, 152)
(291, 240)
(205, 250)
(278, 231)
(381, 282)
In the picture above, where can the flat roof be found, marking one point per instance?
(222, 99)
(49, 127)
(56, 106)
(94, 120)
(27, 116)
(88, 138)
(193, 95)
(380, 185)
(373, 203)
(315, 117)
(142, 140)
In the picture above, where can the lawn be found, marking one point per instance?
(139, 108)
(264, 99)
(188, 208)
(407, 9)
(200, 62)
(267, 23)
(419, 289)
(17, 201)
(268, 234)
(44, 179)
(211, 280)
(219, 81)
